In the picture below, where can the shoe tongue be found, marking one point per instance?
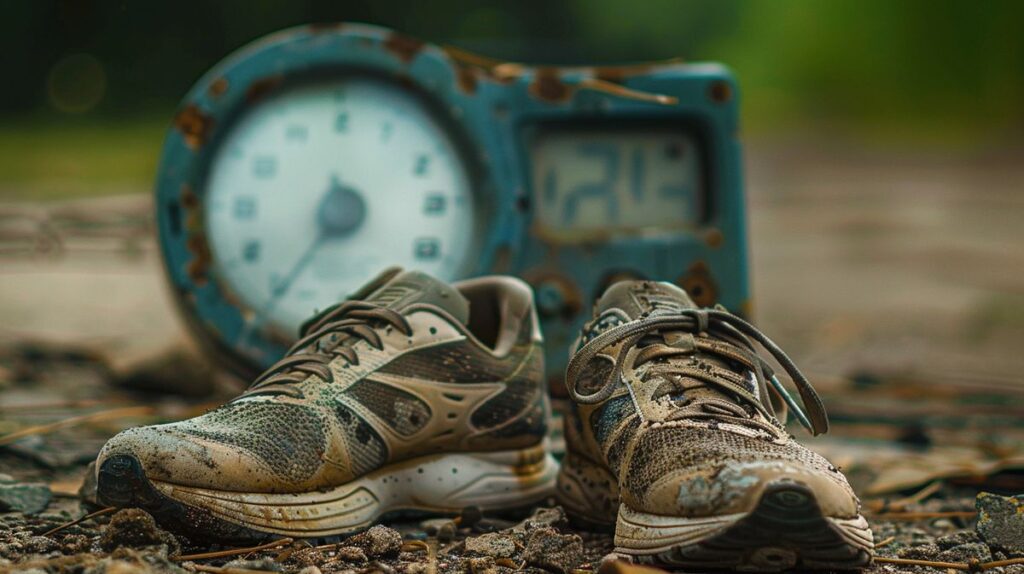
(643, 298)
(398, 290)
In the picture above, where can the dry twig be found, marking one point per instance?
(74, 421)
(100, 512)
(972, 566)
(926, 515)
(233, 551)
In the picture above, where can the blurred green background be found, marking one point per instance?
(90, 85)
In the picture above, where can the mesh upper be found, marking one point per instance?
(287, 438)
(667, 450)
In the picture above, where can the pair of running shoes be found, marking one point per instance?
(417, 395)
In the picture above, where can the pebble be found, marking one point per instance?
(378, 541)
(352, 554)
(135, 528)
(483, 565)
(493, 544)
(1001, 521)
(27, 498)
(547, 549)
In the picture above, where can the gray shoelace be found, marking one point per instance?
(718, 324)
(310, 356)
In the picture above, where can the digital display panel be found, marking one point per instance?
(590, 182)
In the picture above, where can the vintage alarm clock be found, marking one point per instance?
(308, 161)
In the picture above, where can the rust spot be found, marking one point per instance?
(199, 266)
(260, 88)
(618, 73)
(323, 27)
(720, 92)
(466, 77)
(189, 199)
(403, 46)
(700, 285)
(218, 88)
(714, 238)
(746, 309)
(195, 126)
(196, 244)
(548, 86)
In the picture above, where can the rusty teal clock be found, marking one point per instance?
(309, 160)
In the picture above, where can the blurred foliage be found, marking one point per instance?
(924, 71)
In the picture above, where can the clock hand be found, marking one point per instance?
(341, 211)
(282, 287)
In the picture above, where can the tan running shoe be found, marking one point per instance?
(412, 395)
(673, 439)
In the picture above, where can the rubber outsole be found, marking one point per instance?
(786, 530)
(433, 485)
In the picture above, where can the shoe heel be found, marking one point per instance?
(588, 492)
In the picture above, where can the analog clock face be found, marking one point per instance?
(319, 187)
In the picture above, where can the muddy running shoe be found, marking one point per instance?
(674, 441)
(412, 395)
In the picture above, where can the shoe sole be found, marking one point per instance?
(435, 484)
(786, 530)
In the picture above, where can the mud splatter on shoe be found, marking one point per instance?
(675, 441)
(412, 395)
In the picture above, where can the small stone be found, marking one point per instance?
(919, 552)
(75, 543)
(1001, 522)
(378, 541)
(352, 554)
(547, 549)
(446, 532)
(483, 565)
(470, 516)
(544, 517)
(263, 564)
(310, 570)
(27, 498)
(493, 544)
(966, 552)
(956, 539)
(135, 528)
(40, 545)
(434, 525)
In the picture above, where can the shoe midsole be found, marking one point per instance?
(441, 483)
(644, 533)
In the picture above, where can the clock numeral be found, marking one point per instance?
(264, 167)
(245, 207)
(435, 204)
(427, 248)
(251, 251)
(422, 162)
(341, 122)
(297, 133)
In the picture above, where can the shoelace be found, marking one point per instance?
(727, 335)
(308, 356)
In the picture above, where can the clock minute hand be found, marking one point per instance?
(340, 212)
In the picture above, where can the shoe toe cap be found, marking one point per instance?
(735, 487)
(167, 455)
